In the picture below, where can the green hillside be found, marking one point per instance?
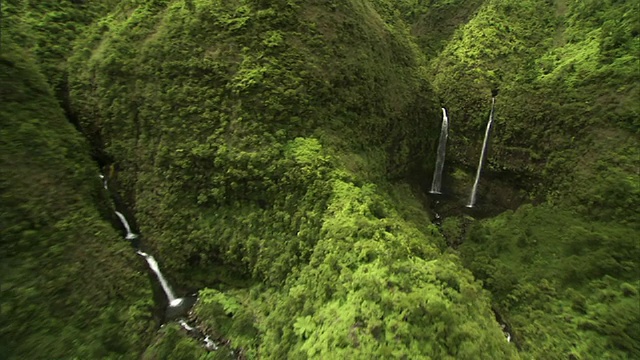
(277, 157)
(64, 268)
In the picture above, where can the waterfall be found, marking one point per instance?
(125, 223)
(104, 182)
(153, 264)
(177, 305)
(442, 146)
(210, 345)
(472, 199)
(185, 325)
(507, 335)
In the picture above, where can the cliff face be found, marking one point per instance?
(566, 135)
(275, 155)
(568, 82)
(70, 284)
(201, 106)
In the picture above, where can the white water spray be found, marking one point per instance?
(185, 325)
(104, 182)
(153, 264)
(125, 223)
(436, 184)
(176, 302)
(209, 344)
(472, 199)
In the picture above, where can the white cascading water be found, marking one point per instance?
(505, 332)
(472, 199)
(209, 344)
(153, 264)
(104, 182)
(125, 223)
(176, 302)
(436, 184)
(185, 325)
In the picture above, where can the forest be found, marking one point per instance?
(252, 179)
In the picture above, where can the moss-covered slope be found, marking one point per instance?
(71, 287)
(200, 104)
(265, 149)
(567, 74)
(563, 274)
(255, 142)
(566, 286)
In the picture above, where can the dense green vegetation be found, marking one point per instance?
(556, 275)
(568, 79)
(373, 286)
(564, 274)
(281, 172)
(275, 154)
(64, 268)
(171, 343)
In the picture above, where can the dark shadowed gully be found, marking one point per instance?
(319, 179)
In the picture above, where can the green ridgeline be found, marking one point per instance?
(71, 287)
(257, 142)
(266, 147)
(568, 287)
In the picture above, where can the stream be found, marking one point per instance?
(438, 198)
(177, 306)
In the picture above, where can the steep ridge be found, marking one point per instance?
(70, 287)
(211, 130)
(255, 142)
(563, 274)
(266, 150)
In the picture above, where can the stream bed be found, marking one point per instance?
(177, 308)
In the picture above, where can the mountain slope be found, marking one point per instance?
(275, 155)
(70, 285)
(563, 274)
(567, 78)
(256, 142)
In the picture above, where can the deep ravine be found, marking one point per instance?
(436, 200)
(178, 307)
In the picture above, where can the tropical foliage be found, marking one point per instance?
(275, 155)
(64, 267)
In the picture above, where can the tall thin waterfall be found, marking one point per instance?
(177, 304)
(436, 184)
(125, 223)
(104, 182)
(153, 264)
(472, 199)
